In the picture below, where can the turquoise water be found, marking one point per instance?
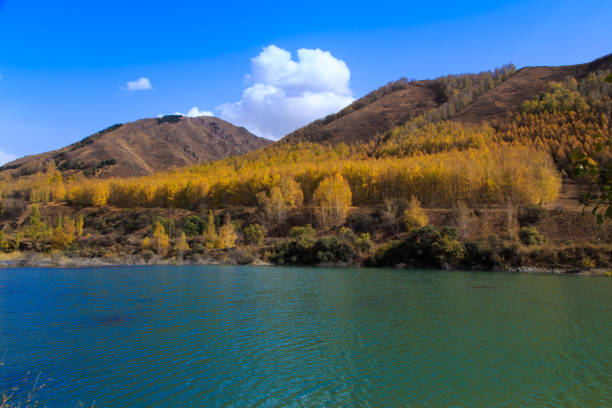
(305, 337)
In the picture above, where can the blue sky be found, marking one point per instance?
(65, 65)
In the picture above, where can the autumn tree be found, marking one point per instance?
(462, 218)
(63, 234)
(146, 243)
(227, 234)
(17, 241)
(414, 216)
(332, 200)
(210, 235)
(181, 247)
(161, 241)
(3, 242)
(79, 226)
(282, 198)
(391, 214)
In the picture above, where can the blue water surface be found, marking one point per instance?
(213, 336)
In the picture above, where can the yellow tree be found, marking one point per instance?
(161, 242)
(63, 234)
(211, 235)
(181, 247)
(79, 226)
(283, 197)
(332, 199)
(146, 243)
(3, 242)
(414, 216)
(227, 235)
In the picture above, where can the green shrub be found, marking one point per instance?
(530, 236)
(363, 223)
(292, 251)
(302, 249)
(194, 225)
(305, 232)
(531, 214)
(424, 247)
(332, 250)
(449, 251)
(254, 234)
(360, 244)
(169, 119)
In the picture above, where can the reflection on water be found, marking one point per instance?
(276, 337)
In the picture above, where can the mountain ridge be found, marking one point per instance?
(145, 146)
(392, 108)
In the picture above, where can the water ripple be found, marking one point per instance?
(306, 337)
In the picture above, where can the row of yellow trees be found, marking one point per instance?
(478, 176)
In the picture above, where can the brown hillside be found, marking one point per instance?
(146, 146)
(398, 102)
(365, 118)
(525, 84)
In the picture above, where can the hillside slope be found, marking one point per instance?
(400, 101)
(525, 84)
(145, 146)
(379, 111)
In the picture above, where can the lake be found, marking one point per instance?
(221, 336)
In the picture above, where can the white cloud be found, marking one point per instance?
(5, 158)
(287, 94)
(141, 84)
(195, 112)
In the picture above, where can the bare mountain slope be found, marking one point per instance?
(146, 146)
(379, 111)
(400, 101)
(525, 84)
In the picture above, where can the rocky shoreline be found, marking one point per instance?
(37, 260)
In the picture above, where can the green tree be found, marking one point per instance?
(36, 228)
(254, 234)
(17, 241)
(601, 174)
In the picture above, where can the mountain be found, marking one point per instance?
(381, 110)
(525, 84)
(145, 146)
(471, 98)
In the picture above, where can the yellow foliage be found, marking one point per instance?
(146, 243)
(181, 247)
(63, 234)
(414, 216)
(227, 235)
(210, 235)
(282, 198)
(332, 200)
(161, 241)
